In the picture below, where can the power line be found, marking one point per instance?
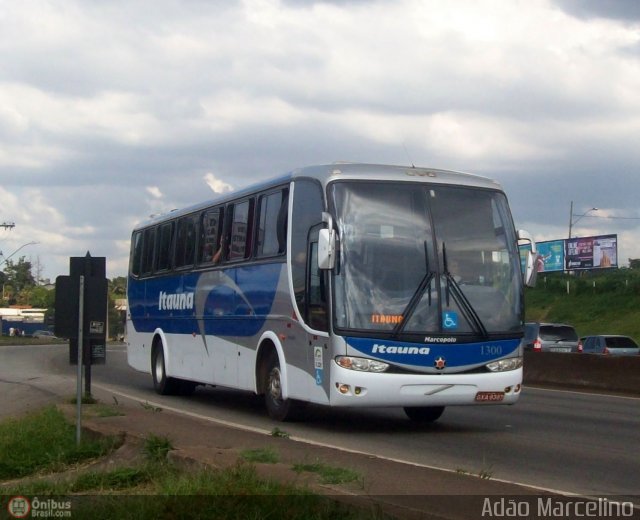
(612, 217)
(7, 225)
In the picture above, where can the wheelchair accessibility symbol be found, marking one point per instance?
(450, 320)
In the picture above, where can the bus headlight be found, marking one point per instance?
(361, 364)
(504, 365)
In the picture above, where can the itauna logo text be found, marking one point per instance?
(384, 349)
(175, 301)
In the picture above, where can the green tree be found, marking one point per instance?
(19, 275)
(118, 287)
(42, 298)
(117, 291)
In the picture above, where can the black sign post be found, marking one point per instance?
(81, 316)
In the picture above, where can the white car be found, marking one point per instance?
(43, 334)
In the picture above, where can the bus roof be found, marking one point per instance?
(327, 173)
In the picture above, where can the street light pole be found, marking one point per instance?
(6, 258)
(571, 215)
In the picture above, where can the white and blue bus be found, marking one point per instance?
(349, 285)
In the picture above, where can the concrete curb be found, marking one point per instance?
(583, 371)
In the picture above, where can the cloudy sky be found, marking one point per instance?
(112, 111)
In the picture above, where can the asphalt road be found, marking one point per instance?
(564, 441)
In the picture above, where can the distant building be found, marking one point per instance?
(25, 319)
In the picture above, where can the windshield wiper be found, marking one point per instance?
(453, 288)
(425, 283)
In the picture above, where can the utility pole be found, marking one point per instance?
(570, 218)
(8, 225)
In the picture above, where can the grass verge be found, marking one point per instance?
(44, 441)
(160, 490)
(155, 488)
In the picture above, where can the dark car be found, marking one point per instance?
(613, 344)
(551, 337)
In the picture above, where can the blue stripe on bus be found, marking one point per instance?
(426, 354)
(229, 302)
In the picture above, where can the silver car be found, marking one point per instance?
(610, 344)
(43, 334)
(551, 337)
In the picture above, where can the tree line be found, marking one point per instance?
(20, 287)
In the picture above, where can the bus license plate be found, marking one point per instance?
(490, 396)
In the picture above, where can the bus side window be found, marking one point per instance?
(241, 230)
(308, 205)
(148, 248)
(185, 242)
(283, 222)
(164, 243)
(210, 235)
(272, 210)
(136, 253)
(316, 289)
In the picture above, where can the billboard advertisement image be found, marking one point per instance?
(599, 252)
(550, 256)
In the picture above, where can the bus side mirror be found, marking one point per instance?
(531, 270)
(530, 274)
(327, 244)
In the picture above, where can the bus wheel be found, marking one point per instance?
(424, 414)
(163, 385)
(278, 408)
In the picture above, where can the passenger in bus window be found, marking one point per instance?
(207, 254)
(217, 257)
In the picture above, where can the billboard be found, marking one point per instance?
(597, 252)
(550, 256)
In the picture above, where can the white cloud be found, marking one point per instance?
(154, 191)
(216, 185)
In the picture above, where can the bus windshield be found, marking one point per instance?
(418, 259)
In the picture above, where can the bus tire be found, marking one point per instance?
(278, 408)
(161, 383)
(424, 414)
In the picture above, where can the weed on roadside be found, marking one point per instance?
(486, 474)
(156, 447)
(147, 406)
(86, 399)
(277, 432)
(118, 479)
(329, 474)
(263, 455)
(105, 410)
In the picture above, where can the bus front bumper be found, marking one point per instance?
(353, 388)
